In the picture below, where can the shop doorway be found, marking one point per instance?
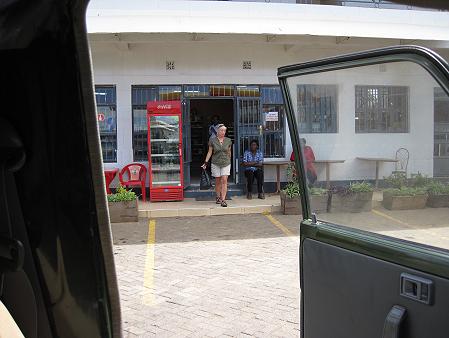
(201, 114)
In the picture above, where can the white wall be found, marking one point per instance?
(196, 63)
(347, 145)
(209, 63)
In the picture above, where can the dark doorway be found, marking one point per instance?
(202, 112)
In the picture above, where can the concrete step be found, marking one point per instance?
(190, 207)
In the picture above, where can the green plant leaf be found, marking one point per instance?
(122, 194)
(405, 191)
(437, 188)
(360, 187)
(292, 190)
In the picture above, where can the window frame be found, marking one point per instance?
(388, 128)
(279, 105)
(114, 106)
(308, 115)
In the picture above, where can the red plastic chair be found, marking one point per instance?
(134, 174)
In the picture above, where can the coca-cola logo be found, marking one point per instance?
(164, 106)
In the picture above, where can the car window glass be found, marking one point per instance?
(376, 149)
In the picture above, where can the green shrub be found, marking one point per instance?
(318, 191)
(396, 180)
(405, 191)
(121, 195)
(420, 180)
(437, 188)
(292, 190)
(290, 170)
(360, 187)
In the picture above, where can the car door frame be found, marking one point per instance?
(408, 254)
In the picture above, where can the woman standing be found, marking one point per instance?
(220, 151)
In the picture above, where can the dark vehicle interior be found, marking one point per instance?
(57, 274)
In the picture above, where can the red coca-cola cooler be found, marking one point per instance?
(165, 150)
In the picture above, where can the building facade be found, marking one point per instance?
(221, 58)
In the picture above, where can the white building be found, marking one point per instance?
(222, 57)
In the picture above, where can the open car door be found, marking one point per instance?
(375, 261)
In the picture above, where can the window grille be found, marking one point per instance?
(273, 122)
(141, 95)
(105, 97)
(317, 108)
(381, 109)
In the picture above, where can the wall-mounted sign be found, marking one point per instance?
(272, 116)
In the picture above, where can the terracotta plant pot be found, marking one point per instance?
(124, 211)
(438, 201)
(353, 202)
(404, 202)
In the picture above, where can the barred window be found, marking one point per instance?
(381, 109)
(105, 97)
(248, 91)
(170, 93)
(273, 122)
(140, 96)
(317, 108)
(196, 90)
(221, 90)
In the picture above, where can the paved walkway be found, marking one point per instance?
(223, 276)
(234, 275)
(239, 205)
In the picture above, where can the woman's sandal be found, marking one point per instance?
(217, 200)
(223, 204)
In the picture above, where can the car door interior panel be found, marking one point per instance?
(347, 294)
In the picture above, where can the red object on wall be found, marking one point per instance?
(109, 175)
(165, 150)
(134, 174)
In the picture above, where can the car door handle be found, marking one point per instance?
(393, 322)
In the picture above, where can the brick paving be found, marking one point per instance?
(216, 276)
(234, 275)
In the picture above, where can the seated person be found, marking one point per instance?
(253, 163)
(310, 158)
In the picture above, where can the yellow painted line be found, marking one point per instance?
(279, 225)
(377, 212)
(148, 280)
(414, 227)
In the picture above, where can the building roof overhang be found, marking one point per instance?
(268, 19)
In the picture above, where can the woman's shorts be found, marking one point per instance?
(220, 171)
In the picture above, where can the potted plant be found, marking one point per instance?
(123, 206)
(291, 199)
(357, 197)
(402, 197)
(420, 181)
(438, 195)
(319, 199)
(291, 196)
